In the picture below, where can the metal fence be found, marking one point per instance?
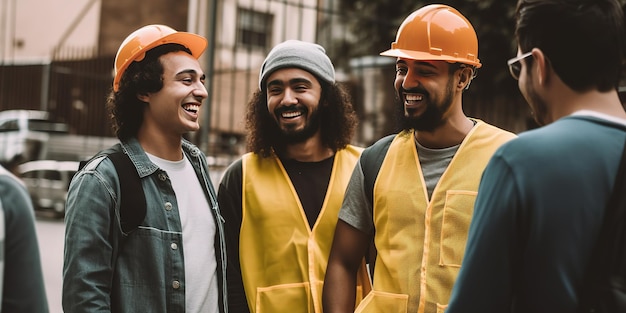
(74, 85)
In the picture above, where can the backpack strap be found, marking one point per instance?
(133, 206)
(132, 197)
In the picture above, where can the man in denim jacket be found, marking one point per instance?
(173, 260)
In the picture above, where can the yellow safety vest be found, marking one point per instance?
(421, 243)
(283, 260)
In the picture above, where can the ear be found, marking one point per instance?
(144, 97)
(465, 77)
(542, 66)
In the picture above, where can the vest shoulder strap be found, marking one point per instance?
(371, 161)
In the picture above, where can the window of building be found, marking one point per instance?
(254, 29)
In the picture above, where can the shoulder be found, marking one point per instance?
(373, 156)
(567, 133)
(10, 180)
(381, 145)
(15, 201)
(96, 173)
(378, 150)
(353, 149)
(232, 175)
(579, 138)
(493, 131)
(12, 190)
(100, 165)
(234, 167)
(350, 152)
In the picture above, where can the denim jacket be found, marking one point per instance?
(107, 270)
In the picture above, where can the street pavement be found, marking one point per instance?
(50, 232)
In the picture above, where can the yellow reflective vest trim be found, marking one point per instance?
(421, 243)
(283, 260)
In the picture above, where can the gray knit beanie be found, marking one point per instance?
(295, 53)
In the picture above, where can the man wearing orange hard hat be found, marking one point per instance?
(143, 229)
(411, 195)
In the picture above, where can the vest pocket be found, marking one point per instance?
(320, 286)
(284, 298)
(441, 308)
(457, 215)
(379, 301)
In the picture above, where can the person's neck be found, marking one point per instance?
(451, 133)
(602, 102)
(311, 150)
(164, 146)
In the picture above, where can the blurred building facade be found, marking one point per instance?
(69, 73)
(57, 56)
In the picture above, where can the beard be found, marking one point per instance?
(290, 136)
(432, 117)
(538, 107)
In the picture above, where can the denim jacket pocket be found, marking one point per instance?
(137, 247)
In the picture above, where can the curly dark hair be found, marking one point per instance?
(337, 116)
(145, 76)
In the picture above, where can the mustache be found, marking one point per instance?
(415, 90)
(290, 108)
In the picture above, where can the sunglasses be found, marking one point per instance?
(515, 66)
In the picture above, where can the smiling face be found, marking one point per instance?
(175, 108)
(426, 91)
(293, 98)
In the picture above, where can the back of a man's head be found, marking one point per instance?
(582, 39)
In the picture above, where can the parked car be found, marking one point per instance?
(47, 182)
(24, 134)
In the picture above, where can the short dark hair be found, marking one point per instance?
(583, 40)
(145, 76)
(337, 116)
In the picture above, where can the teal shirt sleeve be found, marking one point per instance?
(23, 285)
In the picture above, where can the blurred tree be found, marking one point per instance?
(494, 95)
(493, 20)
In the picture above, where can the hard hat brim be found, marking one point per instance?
(423, 56)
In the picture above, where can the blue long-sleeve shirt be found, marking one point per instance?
(537, 216)
(22, 276)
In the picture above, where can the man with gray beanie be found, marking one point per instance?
(281, 200)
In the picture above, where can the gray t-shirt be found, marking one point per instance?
(434, 162)
(356, 209)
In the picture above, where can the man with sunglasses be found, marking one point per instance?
(542, 199)
(412, 194)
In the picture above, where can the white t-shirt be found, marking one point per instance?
(201, 289)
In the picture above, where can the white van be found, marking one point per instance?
(23, 134)
(47, 182)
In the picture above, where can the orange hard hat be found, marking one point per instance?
(135, 46)
(436, 32)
